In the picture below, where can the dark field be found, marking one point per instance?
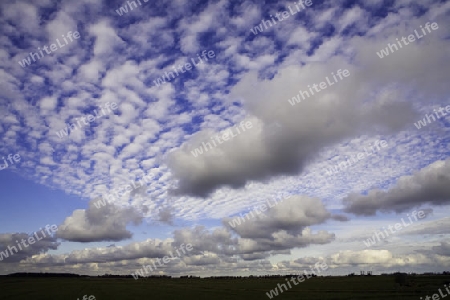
(357, 287)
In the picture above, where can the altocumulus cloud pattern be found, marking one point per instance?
(97, 95)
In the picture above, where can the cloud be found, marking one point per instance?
(218, 241)
(430, 185)
(166, 215)
(331, 116)
(340, 218)
(443, 249)
(435, 227)
(41, 245)
(291, 215)
(107, 223)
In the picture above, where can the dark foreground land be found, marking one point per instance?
(356, 287)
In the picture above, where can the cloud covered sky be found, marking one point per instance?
(93, 118)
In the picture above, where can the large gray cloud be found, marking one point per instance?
(292, 215)
(283, 227)
(106, 223)
(431, 185)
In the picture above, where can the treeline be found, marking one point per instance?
(24, 274)
(43, 275)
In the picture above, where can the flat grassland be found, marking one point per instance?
(323, 288)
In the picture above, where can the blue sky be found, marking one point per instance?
(153, 130)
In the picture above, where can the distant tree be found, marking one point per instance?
(401, 278)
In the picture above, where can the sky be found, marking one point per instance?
(267, 135)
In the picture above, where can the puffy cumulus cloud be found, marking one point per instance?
(106, 223)
(292, 215)
(202, 260)
(283, 240)
(218, 241)
(222, 242)
(10, 240)
(166, 215)
(430, 185)
(281, 229)
(145, 249)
